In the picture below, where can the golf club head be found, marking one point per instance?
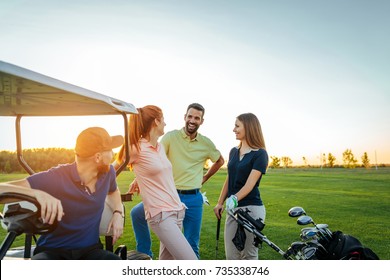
(297, 246)
(309, 252)
(308, 228)
(309, 234)
(321, 252)
(321, 226)
(304, 220)
(295, 250)
(296, 211)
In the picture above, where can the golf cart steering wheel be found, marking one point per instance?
(22, 214)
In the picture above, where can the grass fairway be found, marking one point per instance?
(355, 201)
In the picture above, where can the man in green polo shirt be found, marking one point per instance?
(188, 152)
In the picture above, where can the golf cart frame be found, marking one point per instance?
(25, 93)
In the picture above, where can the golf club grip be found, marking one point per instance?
(218, 228)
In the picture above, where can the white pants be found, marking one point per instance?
(250, 252)
(168, 227)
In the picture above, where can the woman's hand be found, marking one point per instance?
(231, 202)
(133, 187)
(218, 210)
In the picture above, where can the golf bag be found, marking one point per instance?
(317, 243)
(240, 236)
(345, 247)
(246, 222)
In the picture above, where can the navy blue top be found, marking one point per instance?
(239, 171)
(79, 226)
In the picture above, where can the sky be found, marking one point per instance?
(315, 73)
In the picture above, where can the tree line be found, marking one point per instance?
(38, 159)
(349, 161)
(41, 159)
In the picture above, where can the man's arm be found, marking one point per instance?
(213, 169)
(51, 208)
(115, 202)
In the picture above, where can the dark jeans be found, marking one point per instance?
(95, 252)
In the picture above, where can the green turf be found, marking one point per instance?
(355, 201)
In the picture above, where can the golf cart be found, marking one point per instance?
(24, 93)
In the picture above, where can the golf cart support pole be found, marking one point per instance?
(7, 244)
(19, 150)
(127, 153)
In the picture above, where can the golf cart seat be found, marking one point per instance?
(121, 250)
(104, 222)
(22, 214)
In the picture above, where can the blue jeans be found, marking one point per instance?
(191, 224)
(193, 219)
(141, 230)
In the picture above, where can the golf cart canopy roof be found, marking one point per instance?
(27, 93)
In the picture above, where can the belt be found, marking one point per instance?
(194, 191)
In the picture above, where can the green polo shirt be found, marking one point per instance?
(188, 157)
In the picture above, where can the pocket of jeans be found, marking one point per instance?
(199, 199)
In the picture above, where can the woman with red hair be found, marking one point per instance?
(164, 211)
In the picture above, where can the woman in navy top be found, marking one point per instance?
(247, 163)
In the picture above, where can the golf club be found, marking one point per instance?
(308, 234)
(296, 211)
(304, 220)
(217, 235)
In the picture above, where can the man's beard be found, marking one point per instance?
(103, 168)
(191, 130)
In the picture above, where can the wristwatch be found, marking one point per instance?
(119, 212)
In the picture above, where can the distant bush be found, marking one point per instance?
(38, 159)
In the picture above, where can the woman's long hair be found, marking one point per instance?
(140, 126)
(253, 133)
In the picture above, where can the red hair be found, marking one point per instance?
(140, 126)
